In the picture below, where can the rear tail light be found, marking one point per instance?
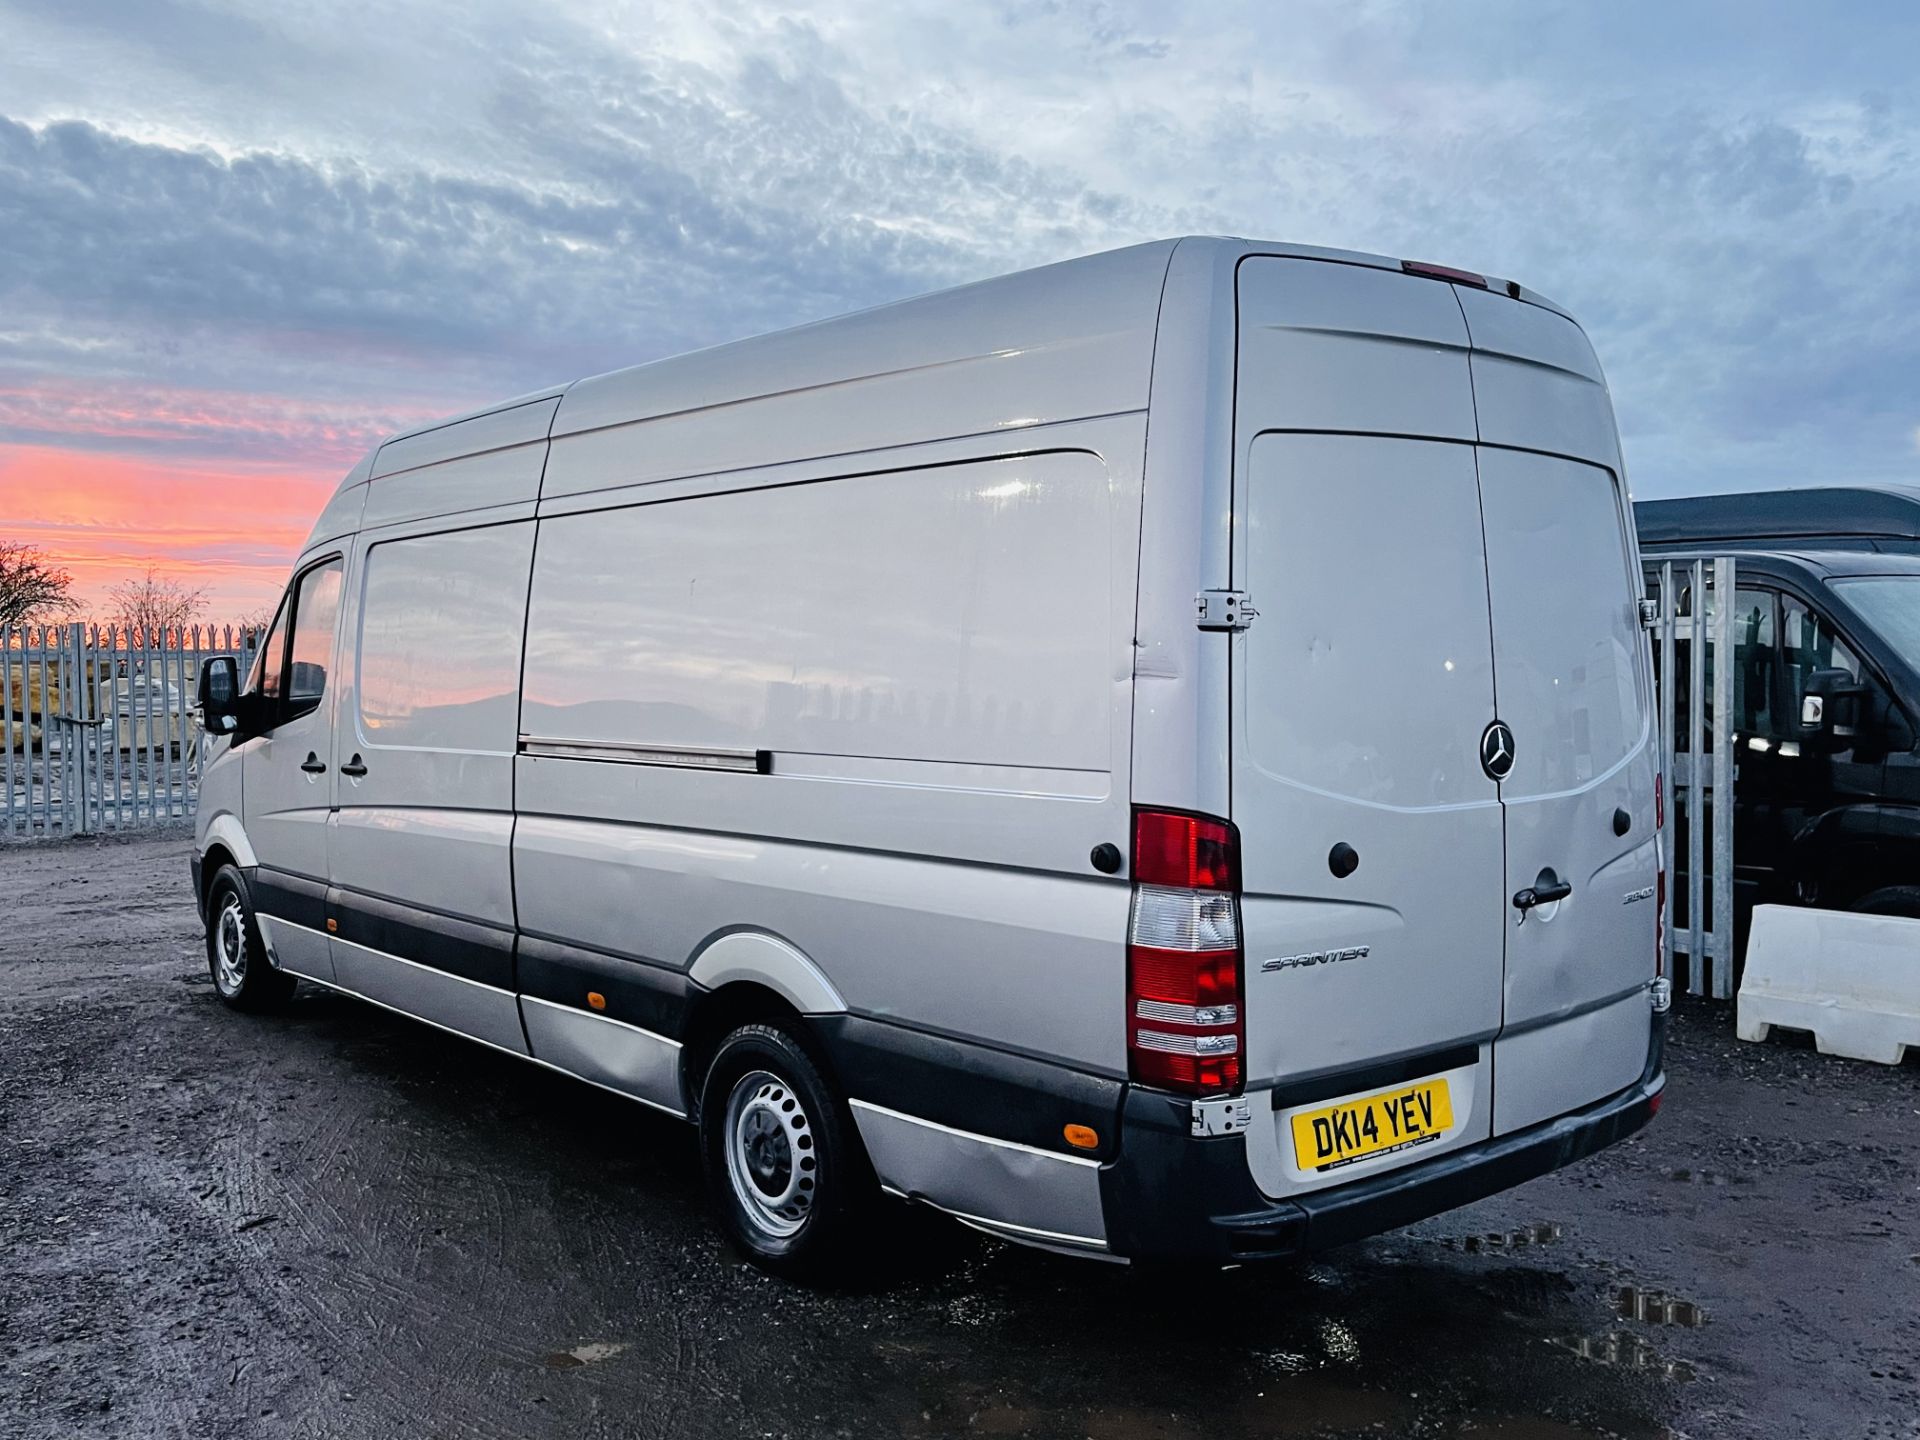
(1186, 1029)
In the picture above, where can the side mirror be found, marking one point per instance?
(219, 695)
(1830, 707)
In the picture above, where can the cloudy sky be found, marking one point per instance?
(240, 242)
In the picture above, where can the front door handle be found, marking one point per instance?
(313, 764)
(355, 767)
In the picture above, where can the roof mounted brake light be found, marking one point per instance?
(1444, 272)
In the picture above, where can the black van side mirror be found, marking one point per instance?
(1830, 707)
(219, 695)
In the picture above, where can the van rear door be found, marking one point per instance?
(1573, 685)
(1431, 609)
(1373, 904)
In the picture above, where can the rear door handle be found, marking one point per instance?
(313, 764)
(354, 767)
(1540, 894)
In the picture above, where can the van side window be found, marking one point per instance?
(315, 609)
(1811, 645)
(272, 663)
(1755, 661)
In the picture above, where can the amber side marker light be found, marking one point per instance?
(333, 926)
(1082, 1137)
(596, 1000)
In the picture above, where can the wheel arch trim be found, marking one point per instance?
(225, 831)
(756, 957)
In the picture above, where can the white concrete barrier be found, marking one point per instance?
(1853, 980)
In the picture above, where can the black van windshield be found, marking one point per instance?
(1891, 605)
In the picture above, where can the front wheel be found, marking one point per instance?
(783, 1161)
(236, 954)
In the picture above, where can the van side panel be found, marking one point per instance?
(920, 680)
(934, 661)
(919, 618)
(1002, 959)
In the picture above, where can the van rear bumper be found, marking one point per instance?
(1171, 1197)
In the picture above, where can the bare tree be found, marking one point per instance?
(254, 622)
(155, 601)
(32, 587)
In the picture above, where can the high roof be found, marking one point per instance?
(1833, 512)
(1832, 564)
(1109, 302)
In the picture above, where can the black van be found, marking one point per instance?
(1827, 690)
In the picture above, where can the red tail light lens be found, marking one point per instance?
(1185, 1014)
(1659, 801)
(1187, 851)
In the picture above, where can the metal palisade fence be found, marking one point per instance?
(1694, 653)
(98, 729)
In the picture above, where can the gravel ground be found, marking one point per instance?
(337, 1223)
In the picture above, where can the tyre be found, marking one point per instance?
(236, 955)
(784, 1163)
(1890, 900)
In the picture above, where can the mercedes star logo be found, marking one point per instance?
(1496, 750)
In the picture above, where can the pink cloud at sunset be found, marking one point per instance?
(230, 528)
(265, 428)
(213, 487)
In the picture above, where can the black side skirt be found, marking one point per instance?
(472, 951)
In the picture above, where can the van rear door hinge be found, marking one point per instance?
(1649, 613)
(1226, 1115)
(1223, 610)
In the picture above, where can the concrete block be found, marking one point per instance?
(1853, 980)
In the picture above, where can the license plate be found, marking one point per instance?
(1399, 1119)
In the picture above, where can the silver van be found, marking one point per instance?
(1152, 756)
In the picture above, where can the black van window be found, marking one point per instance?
(1891, 605)
(1811, 645)
(1754, 660)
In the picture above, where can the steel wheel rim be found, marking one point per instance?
(230, 947)
(772, 1163)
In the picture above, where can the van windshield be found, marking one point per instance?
(1891, 605)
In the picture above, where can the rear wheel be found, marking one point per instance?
(236, 955)
(783, 1161)
(1891, 900)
